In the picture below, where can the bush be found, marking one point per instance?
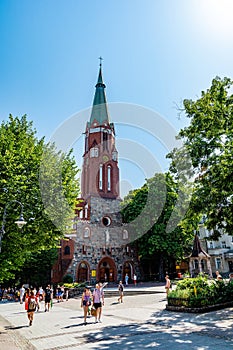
(201, 291)
(67, 279)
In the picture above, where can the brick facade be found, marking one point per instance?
(99, 247)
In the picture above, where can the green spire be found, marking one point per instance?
(99, 109)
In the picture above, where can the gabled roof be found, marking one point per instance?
(197, 250)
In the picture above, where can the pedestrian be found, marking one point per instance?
(62, 293)
(126, 279)
(47, 297)
(135, 279)
(86, 301)
(41, 294)
(218, 276)
(21, 294)
(32, 304)
(67, 293)
(231, 277)
(25, 298)
(168, 284)
(121, 292)
(98, 301)
(58, 293)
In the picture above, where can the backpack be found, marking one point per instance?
(32, 304)
(47, 293)
(121, 288)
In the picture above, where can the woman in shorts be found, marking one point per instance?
(98, 301)
(86, 302)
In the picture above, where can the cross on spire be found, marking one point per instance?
(101, 59)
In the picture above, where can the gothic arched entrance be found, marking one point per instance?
(83, 272)
(107, 271)
(127, 269)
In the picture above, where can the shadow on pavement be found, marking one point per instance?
(166, 329)
(15, 327)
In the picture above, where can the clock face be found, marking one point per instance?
(105, 159)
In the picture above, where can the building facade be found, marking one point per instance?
(98, 249)
(220, 251)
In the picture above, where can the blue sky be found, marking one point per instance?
(156, 53)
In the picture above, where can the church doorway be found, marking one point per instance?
(127, 269)
(107, 270)
(83, 272)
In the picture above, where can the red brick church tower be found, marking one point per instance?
(99, 250)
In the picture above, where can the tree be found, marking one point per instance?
(209, 141)
(155, 235)
(21, 159)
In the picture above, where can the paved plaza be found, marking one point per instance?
(140, 322)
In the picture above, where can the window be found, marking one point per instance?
(125, 234)
(105, 140)
(114, 156)
(94, 152)
(67, 250)
(196, 266)
(211, 245)
(109, 178)
(218, 263)
(106, 221)
(86, 211)
(224, 244)
(86, 232)
(101, 177)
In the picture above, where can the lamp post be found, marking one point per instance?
(20, 222)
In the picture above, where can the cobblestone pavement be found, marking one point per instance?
(140, 322)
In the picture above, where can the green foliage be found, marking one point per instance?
(154, 219)
(21, 155)
(75, 285)
(67, 279)
(209, 142)
(201, 291)
(37, 269)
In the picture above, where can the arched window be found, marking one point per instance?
(86, 211)
(86, 232)
(67, 250)
(114, 156)
(109, 178)
(94, 152)
(105, 140)
(125, 234)
(101, 177)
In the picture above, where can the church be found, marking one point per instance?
(98, 249)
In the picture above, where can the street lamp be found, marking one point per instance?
(20, 222)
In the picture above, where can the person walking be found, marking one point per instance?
(168, 284)
(98, 301)
(67, 293)
(31, 308)
(121, 292)
(47, 297)
(21, 294)
(41, 293)
(218, 276)
(86, 302)
(135, 279)
(126, 280)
